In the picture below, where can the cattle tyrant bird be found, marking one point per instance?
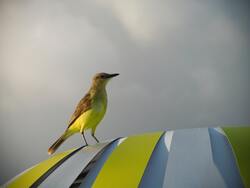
(89, 112)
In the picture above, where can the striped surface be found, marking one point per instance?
(128, 160)
(32, 175)
(155, 171)
(96, 165)
(69, 170)
(224, 159)
(201, 157)
(240, 141)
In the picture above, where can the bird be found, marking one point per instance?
(89, 111)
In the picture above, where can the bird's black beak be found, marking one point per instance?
(112, 75)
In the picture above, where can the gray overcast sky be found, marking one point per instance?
(183, 63)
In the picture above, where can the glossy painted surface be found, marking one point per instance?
(70, 169)
(126, 164)
(156, 167)
(88, 181)
(28, 178)
(191, 158)
(192, 161)
(240, 140)
(224, 158)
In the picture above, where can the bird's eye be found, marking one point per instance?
(102, 76)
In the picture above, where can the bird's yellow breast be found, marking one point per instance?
(89, 119)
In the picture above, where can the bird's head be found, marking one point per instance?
(101, 79)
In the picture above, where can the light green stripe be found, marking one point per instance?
(29, 177)
(125, 166)
(239, 138)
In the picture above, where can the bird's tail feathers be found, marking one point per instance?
(57, 143)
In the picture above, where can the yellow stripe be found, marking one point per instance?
(29, 177)
(126, 165)
(239, 138)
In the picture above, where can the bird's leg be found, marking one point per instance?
(93, 135)
(86, 143)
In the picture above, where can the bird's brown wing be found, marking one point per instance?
(83, 106)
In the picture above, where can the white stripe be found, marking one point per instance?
(219, 130)
(190, 163)
(168, 139)
(121, 140)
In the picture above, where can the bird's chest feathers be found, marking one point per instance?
(92, 117)
(99, 103)
(98, 108)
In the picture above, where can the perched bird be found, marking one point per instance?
(89, 111)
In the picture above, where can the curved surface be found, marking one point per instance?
(224, 159)
(125, 166)
(88, 181)
(28, 178)
(71, 168)
(155, 171)
(190, 163)
(190, 158)
(239, 138)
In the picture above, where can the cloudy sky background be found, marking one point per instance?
(182, 63)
